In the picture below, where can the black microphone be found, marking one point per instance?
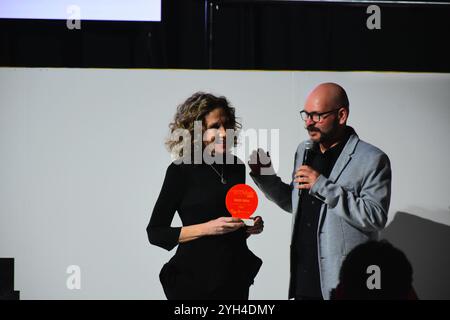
(308, 146)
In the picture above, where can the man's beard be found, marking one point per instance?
(326, 136)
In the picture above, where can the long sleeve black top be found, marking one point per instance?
(197, 194)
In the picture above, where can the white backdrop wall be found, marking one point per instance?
(82, 162)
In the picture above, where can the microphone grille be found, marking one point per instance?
(308, 145)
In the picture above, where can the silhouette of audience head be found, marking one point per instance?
(375, 270)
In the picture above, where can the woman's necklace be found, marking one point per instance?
(222, 179)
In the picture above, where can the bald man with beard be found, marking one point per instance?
(345, 193)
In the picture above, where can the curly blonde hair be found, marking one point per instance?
(195, 108)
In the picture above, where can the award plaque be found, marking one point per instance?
(241, 201)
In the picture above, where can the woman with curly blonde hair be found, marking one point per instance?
(199, 108)
(212, 260)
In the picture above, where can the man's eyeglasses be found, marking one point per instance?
(315, 116)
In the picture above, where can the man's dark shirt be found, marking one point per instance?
(305, 264)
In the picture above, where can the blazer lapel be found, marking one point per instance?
(344, 158)
(341, 163)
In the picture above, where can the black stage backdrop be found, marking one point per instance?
(272, 35)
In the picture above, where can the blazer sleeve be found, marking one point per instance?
(159, 230)
(368, 209)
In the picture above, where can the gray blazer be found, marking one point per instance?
(355, 203)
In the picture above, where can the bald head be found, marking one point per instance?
(328, 96)
(327, 109)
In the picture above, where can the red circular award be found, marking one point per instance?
(241, 201)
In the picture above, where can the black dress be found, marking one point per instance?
(210, 267)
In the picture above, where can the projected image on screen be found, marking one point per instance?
(114, 10)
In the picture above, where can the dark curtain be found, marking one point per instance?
(178, 41)
(327, 36)
(283, 35)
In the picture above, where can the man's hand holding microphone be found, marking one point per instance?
(261, 164)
